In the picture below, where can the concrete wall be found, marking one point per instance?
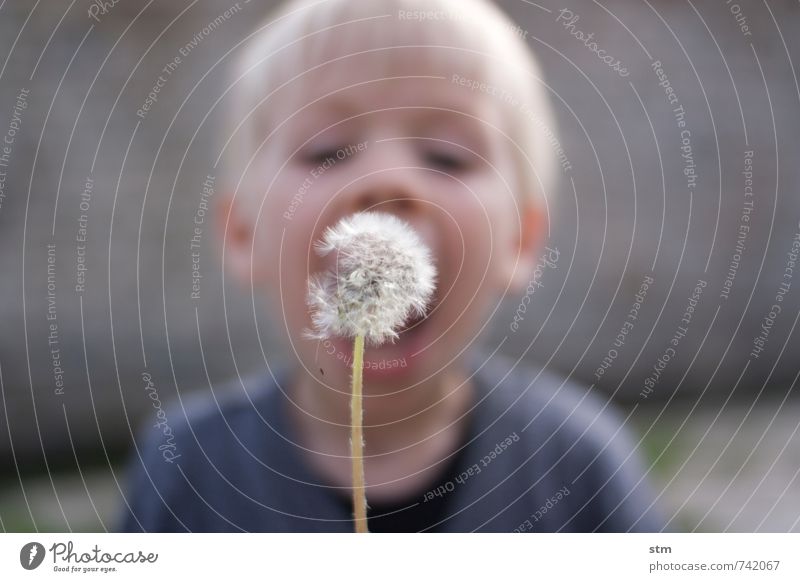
(625, 211)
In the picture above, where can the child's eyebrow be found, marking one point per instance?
(326, 114)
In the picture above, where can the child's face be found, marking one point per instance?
(427, 150)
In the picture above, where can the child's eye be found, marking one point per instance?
(319, 156)
(447, 161)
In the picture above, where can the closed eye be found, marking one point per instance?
(447, 161)
(319, 156)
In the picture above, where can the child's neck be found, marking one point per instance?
(405, 433)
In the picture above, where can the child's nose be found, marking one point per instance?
(387, 192)
(396, 191)
(388, 181)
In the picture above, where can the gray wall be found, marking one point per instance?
(629, 216)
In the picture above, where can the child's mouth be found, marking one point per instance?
(393, 359)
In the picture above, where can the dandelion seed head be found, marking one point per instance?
(384, 274)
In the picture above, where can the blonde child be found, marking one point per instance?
(434, 112)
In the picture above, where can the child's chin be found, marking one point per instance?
(390, 374)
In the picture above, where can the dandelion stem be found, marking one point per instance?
(357, 437)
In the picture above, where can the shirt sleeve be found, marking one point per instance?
(156, 493)
(621, 499)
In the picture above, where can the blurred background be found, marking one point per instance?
(681, 174)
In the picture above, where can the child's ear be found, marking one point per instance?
(522, 256)
(235, 231)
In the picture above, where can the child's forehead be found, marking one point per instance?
(410, 104)
(338, 94)
(360, 68)
(409, 78)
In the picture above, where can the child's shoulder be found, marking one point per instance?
(565, 435)
(545, 399)
(234, 399)
(213, 426)
(208, 456)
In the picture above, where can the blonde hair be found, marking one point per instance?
(294, 46)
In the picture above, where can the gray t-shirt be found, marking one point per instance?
(542, 455)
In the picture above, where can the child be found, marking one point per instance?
(432, 111)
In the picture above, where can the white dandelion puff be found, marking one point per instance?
(384, 275)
